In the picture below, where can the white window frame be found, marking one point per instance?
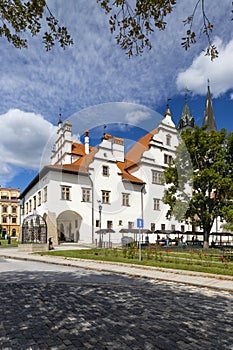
(65, 193)
(105, 197)
(86, 195)
(125, 199)
(105, 170)
(156, 205)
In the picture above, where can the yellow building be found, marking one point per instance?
(9, 212)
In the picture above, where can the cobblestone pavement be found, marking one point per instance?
(43, 307)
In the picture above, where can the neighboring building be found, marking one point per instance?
(9, 211)
(86, 189)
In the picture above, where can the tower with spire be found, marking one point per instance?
(209, 119)
(186, 119)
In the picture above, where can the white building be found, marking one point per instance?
(87, 188)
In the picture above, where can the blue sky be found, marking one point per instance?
(94, 83)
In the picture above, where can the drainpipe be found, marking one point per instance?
(142, 207)
(92, 209)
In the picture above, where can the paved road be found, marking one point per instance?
(54, 307)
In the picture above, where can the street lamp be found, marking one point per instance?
(100, 212)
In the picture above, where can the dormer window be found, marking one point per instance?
(105, 170)
(168, 140)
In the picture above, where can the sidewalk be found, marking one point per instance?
(179, 276)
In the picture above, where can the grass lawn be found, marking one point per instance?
(4, 243)
(208, 261)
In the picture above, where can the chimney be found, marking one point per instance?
(86, 142)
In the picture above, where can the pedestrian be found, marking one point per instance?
(50, 243)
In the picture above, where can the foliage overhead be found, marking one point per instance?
(209, 178)
(18, 16)
(134, 25)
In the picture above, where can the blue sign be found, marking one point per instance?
(140, 223)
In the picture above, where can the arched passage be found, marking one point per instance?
(68, 226)
(34, 229)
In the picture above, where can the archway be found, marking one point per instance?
(34, 229)
(68, 225)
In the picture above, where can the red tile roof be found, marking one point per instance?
(134, 155)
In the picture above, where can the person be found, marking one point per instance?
(167, 240)
(50, 243)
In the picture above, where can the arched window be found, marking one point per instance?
(168, 140)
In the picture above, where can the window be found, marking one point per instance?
(45, 194)
(14, 219)
(39, 198)
(167, 159)
(173, 227)
(125, 199)
(120, 223)
(152, 227)
(156, 204)
(109, 224)
(157, 177)
(168, 140)
(105, 170)
(4, 220)
(97, 223)
(4, 197)
(86, 195)
(26, 208)
(130, 224)
(65, 193)
(105, 197)
(4, 209)
(14, 210)
(30, 205)
(163, 227)
(182, 228)
(34, 202)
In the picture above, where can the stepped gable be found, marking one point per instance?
(133, 156)
(80, 165)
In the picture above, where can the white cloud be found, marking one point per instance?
(23, 136)
(220, 72)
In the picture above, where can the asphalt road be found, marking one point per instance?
(55, 307)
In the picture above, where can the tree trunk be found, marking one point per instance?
(206, 240)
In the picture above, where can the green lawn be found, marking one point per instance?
(209, 261)
(4, 243)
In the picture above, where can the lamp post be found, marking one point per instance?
(100, 212)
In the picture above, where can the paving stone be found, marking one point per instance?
(87, 310)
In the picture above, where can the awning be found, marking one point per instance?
(105, 230)
(135, 230)
(221, 233)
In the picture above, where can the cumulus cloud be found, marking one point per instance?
(95, 70)
(23, 136)
(220, 72)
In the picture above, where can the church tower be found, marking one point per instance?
(209, 119)
(186, 119)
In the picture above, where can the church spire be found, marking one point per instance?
(209, 119)
(186, 119)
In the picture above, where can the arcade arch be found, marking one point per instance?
(68, 226)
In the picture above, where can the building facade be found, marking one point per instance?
(97, 194)
(9, 212)
(88, 194)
